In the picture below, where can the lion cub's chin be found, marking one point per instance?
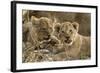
(68, 44)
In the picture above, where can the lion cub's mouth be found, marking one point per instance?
(68, 41)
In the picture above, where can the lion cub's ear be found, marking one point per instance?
(75, 25)
(57, 27)
(34, 20)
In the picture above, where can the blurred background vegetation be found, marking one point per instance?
(84, 19)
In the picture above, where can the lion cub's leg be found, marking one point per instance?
(85, 50)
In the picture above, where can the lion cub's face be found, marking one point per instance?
(43, 27)
(66, 32)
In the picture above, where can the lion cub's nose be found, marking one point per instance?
(67, 37)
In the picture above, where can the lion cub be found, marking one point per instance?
(75, 45)
(39, 35)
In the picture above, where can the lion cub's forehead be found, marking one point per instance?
(45, 22)
(67, 25)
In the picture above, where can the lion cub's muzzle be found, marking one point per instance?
(67, 40)
(46, 37)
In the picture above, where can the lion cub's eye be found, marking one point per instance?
(70, 30)
(57, 29)
(62, 31)
(43, 28)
